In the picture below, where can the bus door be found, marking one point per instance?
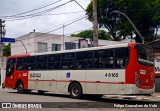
(21, 73)
(10, 68)
(144, 75)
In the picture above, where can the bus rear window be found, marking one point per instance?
(145, 55)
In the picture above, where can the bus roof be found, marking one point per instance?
(21, 55)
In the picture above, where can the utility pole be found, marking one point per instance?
(95, 24)
(1, 35)
(2, 32)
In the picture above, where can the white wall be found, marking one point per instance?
(31, 42)
(18, 48)
(53, 38)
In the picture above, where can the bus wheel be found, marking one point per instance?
(75, 90)
(20, 87)
(41, 92)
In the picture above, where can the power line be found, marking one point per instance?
(39, 13)
(80, 5)
(62, 26)
(64, 13)
(50, 31)
(16, 15)
(63, 23)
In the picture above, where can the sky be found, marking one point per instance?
(16, 28)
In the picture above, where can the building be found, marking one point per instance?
(36, 42)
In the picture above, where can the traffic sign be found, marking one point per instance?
(12, 40)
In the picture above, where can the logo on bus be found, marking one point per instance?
(35, 74)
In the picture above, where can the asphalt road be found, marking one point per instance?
(64, 102)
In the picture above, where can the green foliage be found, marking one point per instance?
(145, 14)
(7, 50)
(102, 34)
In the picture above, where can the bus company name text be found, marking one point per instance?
(35, 75)
(111, 74)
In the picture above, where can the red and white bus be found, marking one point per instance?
(113, 69)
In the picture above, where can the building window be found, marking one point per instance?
(69, 45)
(56, 47)
(42, 47)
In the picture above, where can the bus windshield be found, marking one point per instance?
(145, 55)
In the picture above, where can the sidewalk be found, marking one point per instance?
(156, 96)
(148, 98)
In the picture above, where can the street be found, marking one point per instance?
(8, 95)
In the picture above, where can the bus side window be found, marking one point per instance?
(68, 61)
(53, 61)
(83, 60)
(41, 62)
(103, 59)
(121, 58)
(21, 65)
(30, 63)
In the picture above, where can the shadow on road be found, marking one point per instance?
(103, 99)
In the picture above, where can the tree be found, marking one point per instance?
(145, 14)
(7, 50)
(102, 34)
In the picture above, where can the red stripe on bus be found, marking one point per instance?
(80, 81)
(52, 80)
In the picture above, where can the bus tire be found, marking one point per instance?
(20, 87)
(75, 90)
